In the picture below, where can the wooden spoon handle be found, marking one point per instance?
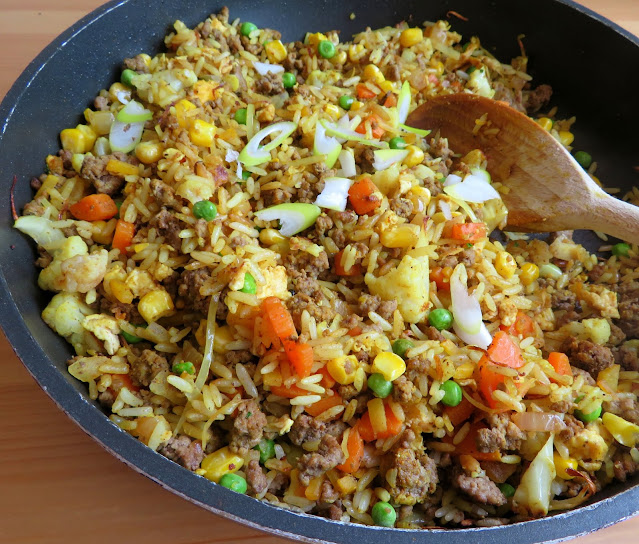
(614, 217)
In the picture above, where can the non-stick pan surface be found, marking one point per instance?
(590, 62)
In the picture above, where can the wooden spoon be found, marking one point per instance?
(547, 189)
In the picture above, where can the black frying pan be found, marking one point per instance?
(590, 62)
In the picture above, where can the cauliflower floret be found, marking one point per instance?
(105, 328)
(65, 314)
(51, 277)
(408, 284)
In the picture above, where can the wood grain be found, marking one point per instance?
(56, 484)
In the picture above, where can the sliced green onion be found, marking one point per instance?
(549, 270)
(264, 68)
(294, 217)
(335, 194)
(133, 112)
(326, 145)
(420, 132)
(403, 103)
(347, 162)
(466, 310)
(124, 137)
(334, 130)
(253, 154)
(480, 172)
(385, 158)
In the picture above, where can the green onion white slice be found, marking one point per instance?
(41, 230)
(413, 130)
(264, 68)
(335, 194)
(480, 172)
(472, 189)
(465, 307)
(347, 134)
(294, 217)
(385, 158)
(347, 162)
(253, 154)
(403, 103)
(326, 145)
(133, 112)
(125, 136)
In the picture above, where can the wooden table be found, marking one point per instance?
(58, 485)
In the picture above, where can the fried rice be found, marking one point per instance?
(325, 320)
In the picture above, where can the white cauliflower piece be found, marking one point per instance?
(479, 83)
(408, 284)
(50, 277)
(65, 314)
(105, 328)
(275, 283)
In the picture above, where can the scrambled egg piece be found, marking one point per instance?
(408, 284)
(65, 314)
(105, 328)
(589, 448)
(140, 282)
(599, 298)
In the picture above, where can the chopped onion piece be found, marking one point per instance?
(41, 230)
(466, 309)
(473, 189)
(538, 421)
(420, 132)
(452, 179)
(482, 339)
(464, 205)
(133, 112)
(123, 96)
(294, 217)
(264, 68)
(125, 136)
(445, 208)
(403, 103)
(326, 145)
(231, 155)
(335, 194)
(347, 162)
(253, 154)
(385, 158)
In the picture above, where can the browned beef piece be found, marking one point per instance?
(628, 294)
(168, 226)
(269, 84)
(35, 183)
(501, 435)
(568, 316)
(512, 97)
(387, 308)
(248, 427)
(328, 493)
(587, 377)
(336, 428)
(416, 475)
(300, 302)
(137, 63)
(564, 299)
(189, 285)
(623, 465)
(147, 366)
(123, 311)
(165, 195)
(201, 228)
(184, 451)
(365, 159)
(306, 429)
(44, 259)
(369, 303)
(439, 148)
(416, 366)
(498, 472)
(335, 512)
(627, 357)
(466, 257)
(94, 170)
(275, 196)
(573, 427)
(596, 272)
(403, 389)
(616, 337)
(433, 186)
(329, 454)
(588, 355)
(279, 483)
(206, 28)
(323, 224)
(537, 98)
(255, 478)
(101, 103)
(393, 73)
(402, 206)
(106, 398)
(234, 357)
(66, 157)
(626, 408)
(347, 217)
(433, 334)
(300, 261)
(34, 207)
(481, 489)
(308, 191)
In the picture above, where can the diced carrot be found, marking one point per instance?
(441, 277)
(288, 392)
(460, 413)
(123, 236)
(503, 351)
(354, 270)
(118, 381)
(355, 447)
(98, 207)
(364, 93)
(560, 363)
(468, 446)
(393, 425)
(488, 381)
(468, 232)
(327, 380)
(523, 326)
(324, 404)
(376, 129)
(355, 331)
(279, 317)
(364, 196)
(300, 355)
(390, 101)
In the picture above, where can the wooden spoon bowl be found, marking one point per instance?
(546, 190)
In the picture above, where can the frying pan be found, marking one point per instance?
(588, 60)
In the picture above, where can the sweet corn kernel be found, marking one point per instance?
(233, 82)
(411, 36)
(73, 140)
(386, 86)
(389, 365)
(332, 111)
(356, 105)
(140, 247)
(415, 156)
(377, 414)
(339, 58)
(118, 90)
(154, 305)
(275, 51)
(223, 337)
(373, 73)
(145, 58)
(105, 231)
(562, 464)
(545, 123)
(119, 288)
(149, 152)
(76, 161)
(271, 236)
(566, 138)
(624, 432)
(204, 90)
(405, 235)
(343, 369)
(221, 462)
(529, 273)
(346, 485)
(181, 109)
(355, 52)
(314, 39)
(202, 133)
(121, 168)
(89, 136)
(505, 264)
(438, 66)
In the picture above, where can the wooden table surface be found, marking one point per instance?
(56, 483)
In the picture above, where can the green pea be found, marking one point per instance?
(127, 77)
(131, 338)
(441, 319)
(250, 286)
(245, 174)
(471, 70)
(240, 116)
(266, 448)
(507, 489)
(590, 416)
(205, 209)
(379, 385)
(247, 28)
(288, 80)
(184, 366)
(397, 143)
(233, 482)
(621, 249)
(345, 102)
(401, 346)
(383, 514)
(326, 49)
(452, 393)
(583, 158)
